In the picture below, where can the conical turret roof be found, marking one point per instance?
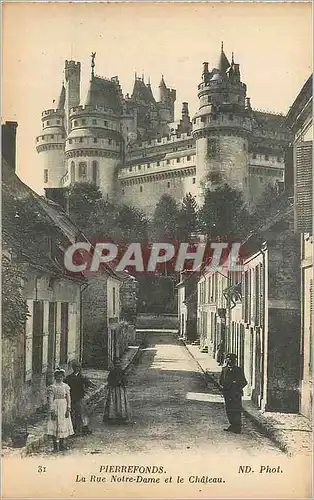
(103, 93)
(61, 100)
(222, 64)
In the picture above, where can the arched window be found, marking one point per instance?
(82, 170)
(72, 172)
(95, 171)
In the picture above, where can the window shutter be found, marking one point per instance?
(45, 336)
(58, 334)
(303, 186)
(29, 341)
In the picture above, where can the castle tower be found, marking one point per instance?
(167, 98)
(93, 147)
(72, 74)
(221, 128)
(50, 143)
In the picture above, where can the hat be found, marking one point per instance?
(230, 355)
(59, 371)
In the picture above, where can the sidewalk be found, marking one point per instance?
(37, 432)
(292, 433)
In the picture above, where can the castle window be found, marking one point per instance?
(72, 172)
(266, 157)
(168, 162)
(193, 180)
(140, 167)
(75, 123)
(158, 163)
(278, 158)
(203, 119)
(37, 139)
(141, 189)
(82, 170)
(231, 117)
(46, 175)
(48, 123)
(81, 139)
(209, 99)
(254, 156)
(63, 136)
(130, 169)
(188, 158)
(95, 139)
(70, 141)
(214, 117)
(94, 122)
(83, 122)
(175, 149)
(58, 121)
(106, 123)
(109, 141)
(52, 137)
(168, 184)
(94, 171)
(148, 165)
(178, 160)
(244, 146)
(123, 191)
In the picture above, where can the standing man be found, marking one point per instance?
(78, 385)
(232, 380)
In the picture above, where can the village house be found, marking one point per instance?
(187, 305)
(300, 120)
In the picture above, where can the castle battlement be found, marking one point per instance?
(50, 112)
(162, 140)
(90, 109)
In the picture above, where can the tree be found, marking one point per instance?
(83, 198)
(132, 223)
(271, 200)
(187, 219)
(224, 214)
(165, 219)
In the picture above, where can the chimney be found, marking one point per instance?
(185, 110)
(205, 67)
(8, 133)
(248, 103)
(60, 196)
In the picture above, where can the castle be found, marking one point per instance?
(135, 151)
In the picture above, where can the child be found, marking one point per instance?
(117, 406)
(59, 407)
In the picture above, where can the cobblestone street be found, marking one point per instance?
(173, 410)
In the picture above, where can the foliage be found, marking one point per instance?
(224, 214)
(187, 219)
(82, 203)
(165, 219)
(14, 307)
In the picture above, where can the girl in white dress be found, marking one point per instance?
(59, 407)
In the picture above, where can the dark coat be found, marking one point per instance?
(232, 379)
(116, 377)
(78, 385)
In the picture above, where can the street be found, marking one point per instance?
(173, 409)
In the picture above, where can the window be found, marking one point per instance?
(37, 139)
(231, 117)
(109, 141)
(58, 121)
(254, 156)
(158, 163)
(38, 327)
(95, 139)
(141, 189)
(193, 180)
(188, 158)
(75, 123)
(130, 169)
(52, 137)
(48, 123)
(168, 184)
(244, 146)
(82, 170)
(94, 122)
(46, 175)
(203, 119)
(64, 333)
(266, 157)
(214, 116)
(72, 171)
(209, 99)
(81, 139)
(168, 162)
(83, 122)
(178, 160)
(106, 123)
(70, 141)
(148, 165)
(94, 171)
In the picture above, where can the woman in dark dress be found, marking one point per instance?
(117, 408)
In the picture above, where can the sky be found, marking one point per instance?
(272, 42)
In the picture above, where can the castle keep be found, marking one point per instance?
(132, 147)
